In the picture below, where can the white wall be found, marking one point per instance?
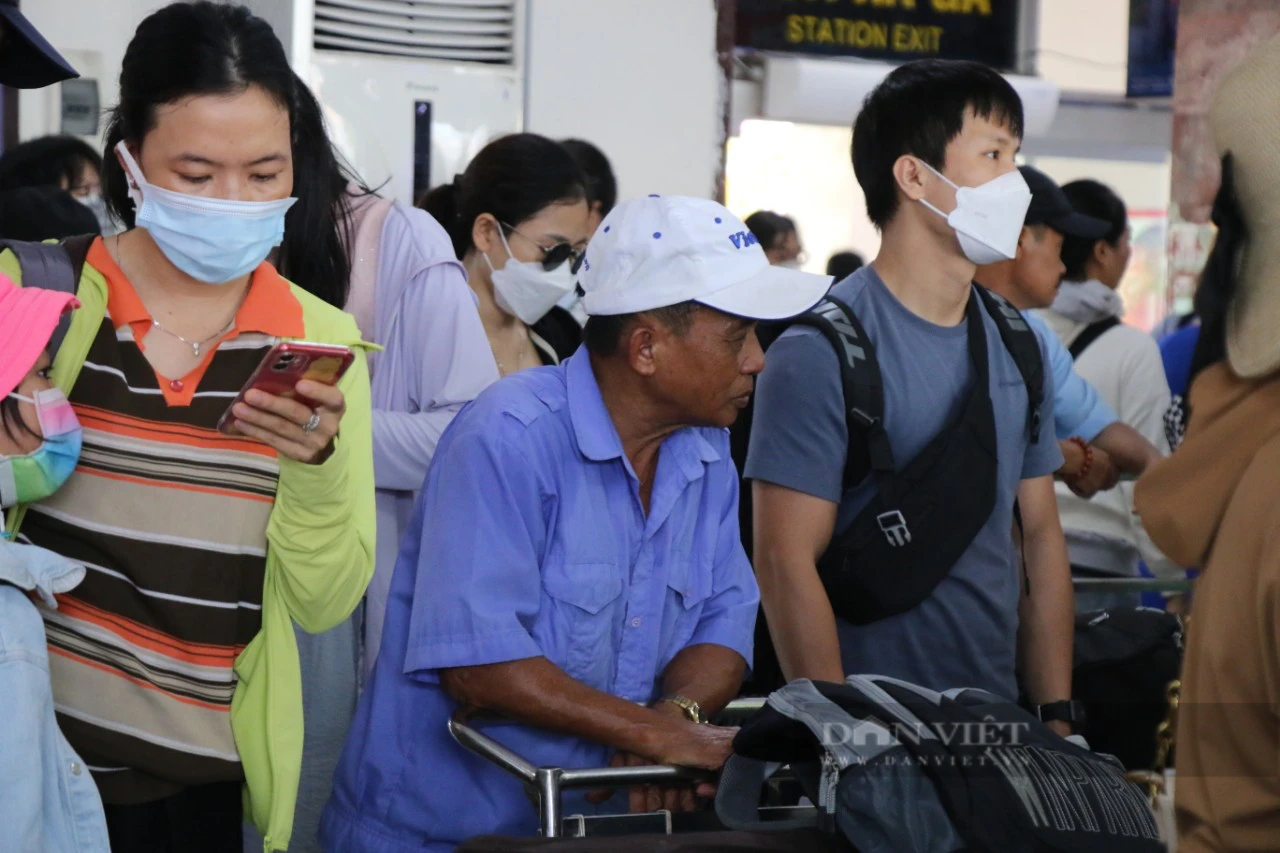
(92, 35)
(639, 78)
(803, 171)
(1084, 44)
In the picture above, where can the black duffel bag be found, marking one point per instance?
(1125, 659)
(894, 767)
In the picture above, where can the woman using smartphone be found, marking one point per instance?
(399, 278)
(174, 664)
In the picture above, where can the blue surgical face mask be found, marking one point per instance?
(214, 240)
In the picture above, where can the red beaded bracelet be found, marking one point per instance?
(1087, 449)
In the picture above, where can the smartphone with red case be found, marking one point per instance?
(285, 366)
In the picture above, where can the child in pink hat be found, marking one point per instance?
(52, 804)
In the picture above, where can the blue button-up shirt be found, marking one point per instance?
(1078, 410)
(530, 540)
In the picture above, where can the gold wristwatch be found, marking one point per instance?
(691, 709)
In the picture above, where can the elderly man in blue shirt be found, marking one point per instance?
(575, 563)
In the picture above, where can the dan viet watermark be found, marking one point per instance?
(866, 733)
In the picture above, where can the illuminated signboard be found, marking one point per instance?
(895, 30)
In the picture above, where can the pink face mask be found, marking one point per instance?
(38, 474)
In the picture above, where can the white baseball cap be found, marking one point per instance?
(663, 250)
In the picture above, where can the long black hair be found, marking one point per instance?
(602, 184)
(512, 178)
(206, 48)
(1218, 282)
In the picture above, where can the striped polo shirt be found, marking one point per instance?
(170, 518)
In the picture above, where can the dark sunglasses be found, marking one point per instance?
(554, 256)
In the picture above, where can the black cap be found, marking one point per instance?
(1050, 206)
(27, 61)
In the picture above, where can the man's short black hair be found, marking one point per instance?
(603, 333)
(918, 109)
(1096, 199)
(602, 186)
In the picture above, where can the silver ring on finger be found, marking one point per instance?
(312, 424)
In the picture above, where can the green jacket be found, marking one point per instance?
(320, 553)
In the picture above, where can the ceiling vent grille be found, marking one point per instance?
(453, 30)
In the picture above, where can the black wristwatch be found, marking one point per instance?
(1067, 711)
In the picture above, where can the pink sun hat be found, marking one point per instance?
(28, 316)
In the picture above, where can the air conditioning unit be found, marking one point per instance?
(411, 89)
(831, 91)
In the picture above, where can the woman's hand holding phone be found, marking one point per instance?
(281, 423)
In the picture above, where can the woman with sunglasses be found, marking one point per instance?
(519, 221)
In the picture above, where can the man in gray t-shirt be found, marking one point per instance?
(934, 153)
(964, 634)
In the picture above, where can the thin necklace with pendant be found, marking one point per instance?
(196, 346)
(502, 368)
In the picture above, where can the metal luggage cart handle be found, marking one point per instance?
(548, 783)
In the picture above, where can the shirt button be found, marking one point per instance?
(75, 769)
(635, 623)
(176, 385)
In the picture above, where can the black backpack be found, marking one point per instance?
(889, 560)
(52, 266)
(1125, 659)
(892, 767)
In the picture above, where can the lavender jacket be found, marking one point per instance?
(436, 358)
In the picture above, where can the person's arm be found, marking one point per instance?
(799, 441)
(442, 359)
(1078, 408)
(1047, 610)
(320, 536)
(1086, 474)
(706, 673)
(1078, 411)
(792, 530)
(1129, 450)
(539, 694)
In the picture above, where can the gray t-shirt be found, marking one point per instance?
(964, 634)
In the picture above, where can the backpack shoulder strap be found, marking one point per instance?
(1024, 347)
(1091, 333)
(52, 266)
(869, 448)
(77, 249)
